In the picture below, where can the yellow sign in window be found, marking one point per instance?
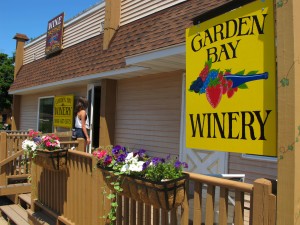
(63, 111)
(231, 82)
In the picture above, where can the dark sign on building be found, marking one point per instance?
(55, 34)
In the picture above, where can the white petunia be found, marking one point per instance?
(57, 143)
(125, 168)
(129, 157)
(29, 145)
(136, 167)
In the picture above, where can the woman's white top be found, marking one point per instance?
(78, 122)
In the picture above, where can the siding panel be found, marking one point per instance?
(132, 10)
(29, 105)
(253, 169)
(90, 25)
(148, 113)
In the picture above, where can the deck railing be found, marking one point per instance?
(72, 195)
(13, 163)
(15, 166)
(76, 196)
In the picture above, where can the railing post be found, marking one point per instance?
(184, 220)
(34, 185)
(96, 208)
(264, 203)
(3, 155)
(100, 204)
(81, 144)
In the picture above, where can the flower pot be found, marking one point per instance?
(165, 195)
(54, 160)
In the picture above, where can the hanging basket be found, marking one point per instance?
(165, 195)
(55, 160)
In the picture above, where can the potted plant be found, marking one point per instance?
(45, 151)
(155, 181)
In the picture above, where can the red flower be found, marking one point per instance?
(100, 153)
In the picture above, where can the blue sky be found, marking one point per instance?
(31, 17)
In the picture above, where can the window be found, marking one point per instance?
(45, 120)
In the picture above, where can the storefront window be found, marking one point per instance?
(45, 122)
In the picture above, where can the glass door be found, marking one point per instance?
(94, 98)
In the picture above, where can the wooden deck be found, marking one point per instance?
(211, 200)
(15, 213)
(19, 213)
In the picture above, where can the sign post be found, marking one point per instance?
(288, 42)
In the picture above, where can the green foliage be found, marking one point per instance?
(6, 79)
(121, 162)
(284, 82)
(163, 171)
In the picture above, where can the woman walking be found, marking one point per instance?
(82, 124)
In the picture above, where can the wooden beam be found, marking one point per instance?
(107, 112)
(15, 189)
(112, 20)
(15, 123)
(288, 50)
(11, 158)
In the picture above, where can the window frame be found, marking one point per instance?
(38, 111)
(260, 157)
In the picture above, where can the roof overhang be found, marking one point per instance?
(163, 60)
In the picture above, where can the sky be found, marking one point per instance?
(31, 18)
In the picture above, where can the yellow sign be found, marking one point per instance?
(231, 82)
(63, 111)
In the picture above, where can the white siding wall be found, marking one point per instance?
(148, 113)
(90, 23)
(132, 10)
(253, 168)
(81, 28)
(29, 105)
(29, 108)
(86, 28)
(35, 51)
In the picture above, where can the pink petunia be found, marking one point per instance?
(100, 154)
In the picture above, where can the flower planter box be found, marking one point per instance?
(165, 195)
(54, 160)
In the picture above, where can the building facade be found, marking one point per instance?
(128, 58)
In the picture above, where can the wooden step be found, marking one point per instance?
(43, 212)
(40, 217)
(25, 200)
(3, 221)
(13, 189)
(14, 213)
(17, 179)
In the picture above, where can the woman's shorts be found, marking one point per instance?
(79, 133)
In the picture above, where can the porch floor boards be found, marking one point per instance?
(15, 213)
